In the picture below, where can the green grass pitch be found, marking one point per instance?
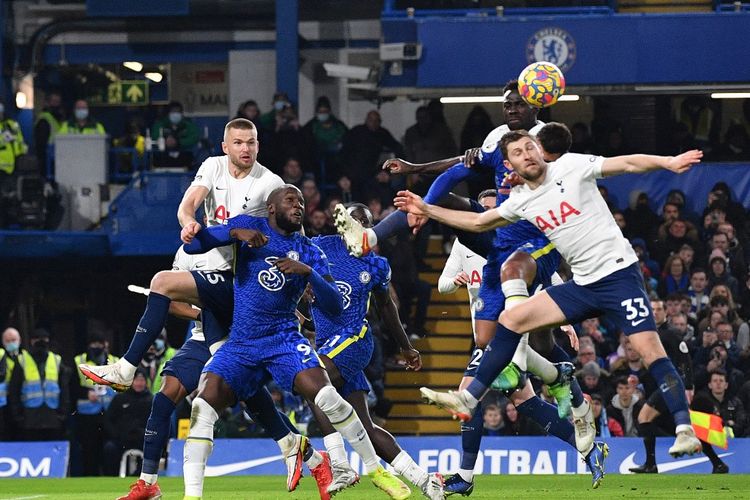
(672, 487)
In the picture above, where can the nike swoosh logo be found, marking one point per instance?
(198, 266)
(636, 323)
(223, 470)
(305, 360)
(628, 463)
(126, 405)
(220, 189)
(469, 256)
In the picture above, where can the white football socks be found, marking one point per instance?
(404, 465)
(466, 474)
(516, 292)
(541, 366)
(149, 478)
(345, 420)
(198, 446)
(334, 443)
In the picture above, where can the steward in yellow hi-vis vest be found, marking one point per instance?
(81, 122)
(12, 144)
(38, 393)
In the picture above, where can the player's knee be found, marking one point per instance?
(172, 389)
(163, 283)
(332, 404)
(485, 332)
(521, 266)
(512, 319)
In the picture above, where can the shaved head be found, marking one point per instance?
(277, 193)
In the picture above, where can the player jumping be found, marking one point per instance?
(562, 200)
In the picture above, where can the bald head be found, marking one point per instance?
(11, 335)
(278, 193)
(361, 214)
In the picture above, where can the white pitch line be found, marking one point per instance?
(24, 498)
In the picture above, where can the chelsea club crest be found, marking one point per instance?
(554, 45)
(365, 277)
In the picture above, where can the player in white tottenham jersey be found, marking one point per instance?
(562, 200)
(226, 185)
(464, 267)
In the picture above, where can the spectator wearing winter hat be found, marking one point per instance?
(594, 380)
(718, 274)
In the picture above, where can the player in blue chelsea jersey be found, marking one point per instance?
(273, 265)
(345, 346)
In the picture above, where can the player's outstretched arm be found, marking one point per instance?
(208, 238)
(638, 164)
(399, 166)
(389, 313)
(406, 201)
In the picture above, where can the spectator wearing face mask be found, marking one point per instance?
(92, 401)
(38, 393)
(11, 346)
(82, 122)
(179, 135)
(324, 138)
(154, 360)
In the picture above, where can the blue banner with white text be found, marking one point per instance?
(34, 459)
(499, 455)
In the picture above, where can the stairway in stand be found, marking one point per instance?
(445, 353)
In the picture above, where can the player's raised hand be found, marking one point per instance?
(397, 166)
(682, 163)
(572, 336)
(252, 237)
(406, 201)
(471, 157)
(412, 358)
(291, 266)
(189, 231)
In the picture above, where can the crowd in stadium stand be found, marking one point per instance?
(695, 266)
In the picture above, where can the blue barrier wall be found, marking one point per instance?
(499, 455)
(38, 459)
(591, 49)
(696, 184)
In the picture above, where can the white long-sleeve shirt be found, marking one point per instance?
(463, 259)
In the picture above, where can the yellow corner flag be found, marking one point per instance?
(710, 428)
